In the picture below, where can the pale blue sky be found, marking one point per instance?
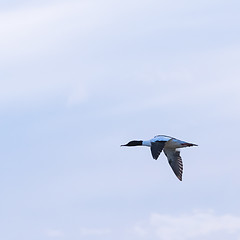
(80, 78)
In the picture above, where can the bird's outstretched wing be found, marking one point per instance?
(156, 148)
(175, 161)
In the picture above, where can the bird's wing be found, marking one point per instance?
(175, 161)
(156, 148)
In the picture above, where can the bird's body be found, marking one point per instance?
(169, 146)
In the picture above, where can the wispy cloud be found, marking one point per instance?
(54, 233)
(195, 225)
(36, 30)
(79, 49)
(94, 231)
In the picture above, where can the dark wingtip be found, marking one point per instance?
(179, 177)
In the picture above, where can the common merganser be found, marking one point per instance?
(169, 146)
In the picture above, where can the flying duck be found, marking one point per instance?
(169, 146)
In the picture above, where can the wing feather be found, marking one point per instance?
(156, 148)
(175, 161)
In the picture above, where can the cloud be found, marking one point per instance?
(53, 233)
(94, 231)
(32, 65)
(76, 50)
(195, 225)
(32, 31)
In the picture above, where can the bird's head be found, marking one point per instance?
(133, 143)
